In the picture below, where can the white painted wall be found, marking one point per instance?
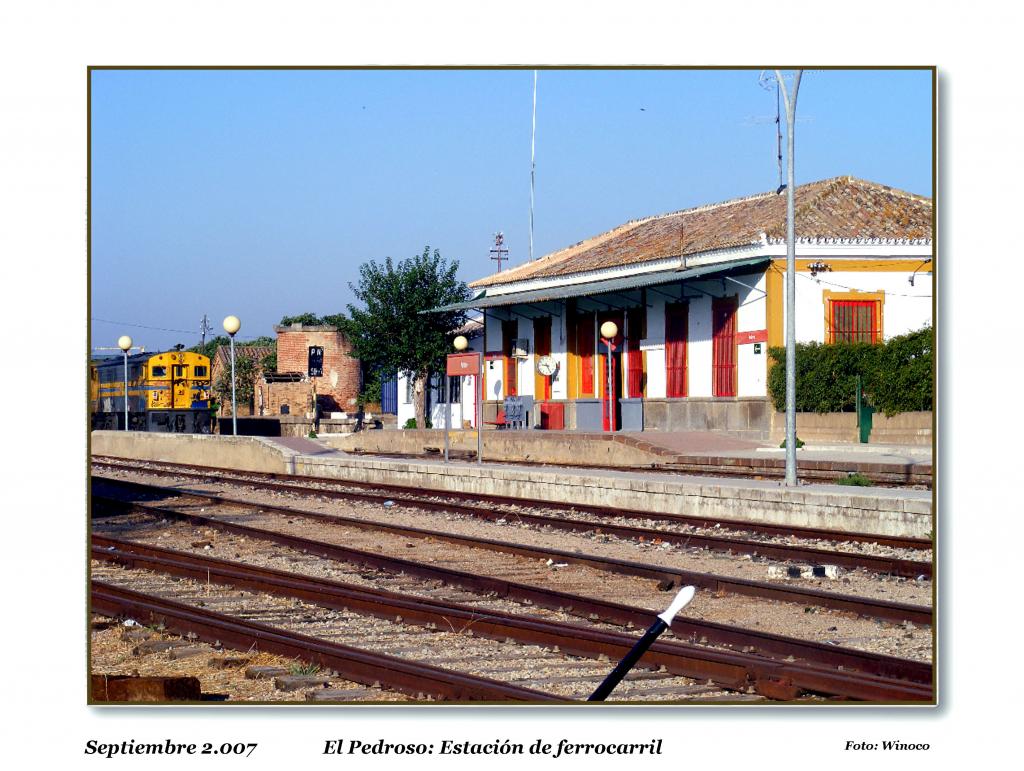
(751, 378)
(906, 308)
(407, 410)
(698, 352)
(654, 345)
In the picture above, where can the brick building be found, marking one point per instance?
(290, 389)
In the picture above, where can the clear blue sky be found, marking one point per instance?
(259, 193)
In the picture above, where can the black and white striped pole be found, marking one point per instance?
(664, 620)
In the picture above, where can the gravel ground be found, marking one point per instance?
(112, 655)
(779, 618)
(858, 582)
(459, 650)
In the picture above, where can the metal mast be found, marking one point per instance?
(790, 100)
(498, 251)
(533, 159)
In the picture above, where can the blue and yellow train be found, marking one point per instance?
(167, 391)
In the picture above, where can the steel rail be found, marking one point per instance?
(684, 628)
(666, 576)
(877, 564)
(351, 663)
(397, 492)
(735, 671)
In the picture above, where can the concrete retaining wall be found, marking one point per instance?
(885, 512)
(815, 428)
(240, 453)
(538, 447)
(742, 417)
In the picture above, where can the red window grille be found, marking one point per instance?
(854, 321)
(676, 331)
(635, 357)
(723, 345)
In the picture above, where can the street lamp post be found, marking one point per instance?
(461, 344)
(231, 326)
(790, 100)
(125, 344)
(608, 331)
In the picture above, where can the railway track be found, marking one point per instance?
(540, 596)
(738, 673)
(667, 577)
(356, 665)
(589, 520)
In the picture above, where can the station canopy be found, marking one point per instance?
(605, 286)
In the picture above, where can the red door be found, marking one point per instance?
(676, 332)
(509, 332)
(635, 357)
(723, 346)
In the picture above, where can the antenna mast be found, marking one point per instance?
(765, 81)
(498, 251)
(204, 327)
(533, 159)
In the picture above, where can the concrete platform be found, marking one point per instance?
(692, 452)
(870, 510)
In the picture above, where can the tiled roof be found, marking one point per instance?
(222, 358)
(839, 208)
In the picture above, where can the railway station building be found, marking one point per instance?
(698, 298)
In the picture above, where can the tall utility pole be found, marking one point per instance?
(204, 327)
(533, 159)
(790, 100)
(499, 252)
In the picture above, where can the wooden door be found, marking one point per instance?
(723, 353)
(509, 333)
(677, 325)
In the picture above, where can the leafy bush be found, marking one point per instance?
(855, 480)
(372, 392)
(902, 380)
(411, 423)
(896, 375)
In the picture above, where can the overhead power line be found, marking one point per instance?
(143, 326)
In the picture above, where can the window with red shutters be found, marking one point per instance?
(854, 321)
(676, 331)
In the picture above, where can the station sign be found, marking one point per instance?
(463, 364)
(315, 363)
(757, 336)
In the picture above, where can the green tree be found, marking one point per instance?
(306, 319)
(246, 370)
(391, 333)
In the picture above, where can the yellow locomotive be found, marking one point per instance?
(168, 391)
